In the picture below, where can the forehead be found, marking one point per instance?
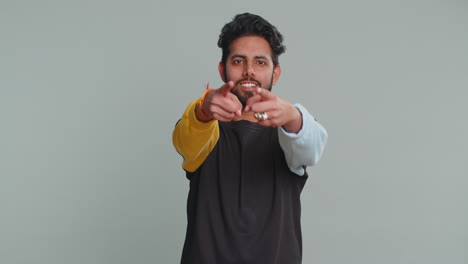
(250, 46)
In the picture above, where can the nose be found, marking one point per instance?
(248, 70)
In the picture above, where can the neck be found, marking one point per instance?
(249, 116)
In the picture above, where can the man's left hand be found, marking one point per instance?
(280, 111)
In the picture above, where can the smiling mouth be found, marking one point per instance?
(248, 86)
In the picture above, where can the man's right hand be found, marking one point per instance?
(220, 104)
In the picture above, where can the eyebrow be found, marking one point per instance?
(244, 57)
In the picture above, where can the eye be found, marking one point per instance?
(261, 62)
(237, 61)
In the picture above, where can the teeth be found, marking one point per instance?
(248, 84)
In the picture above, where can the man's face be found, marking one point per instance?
(249, 65)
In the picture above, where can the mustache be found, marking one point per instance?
(249, 80)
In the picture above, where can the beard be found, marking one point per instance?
(244, 96)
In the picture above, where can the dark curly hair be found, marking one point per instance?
(251, 25)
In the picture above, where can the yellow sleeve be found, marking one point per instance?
(194, 139)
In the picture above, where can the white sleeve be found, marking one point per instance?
(306, 147)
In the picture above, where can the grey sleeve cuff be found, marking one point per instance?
(304, 148)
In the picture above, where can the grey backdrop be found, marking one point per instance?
(90, 92)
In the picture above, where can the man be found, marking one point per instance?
(245, 152)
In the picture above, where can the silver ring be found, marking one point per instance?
(261, 116)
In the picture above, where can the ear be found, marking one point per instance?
(276, 74)
(221, 71)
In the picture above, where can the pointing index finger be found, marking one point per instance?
(226, 88)
(264, 93)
